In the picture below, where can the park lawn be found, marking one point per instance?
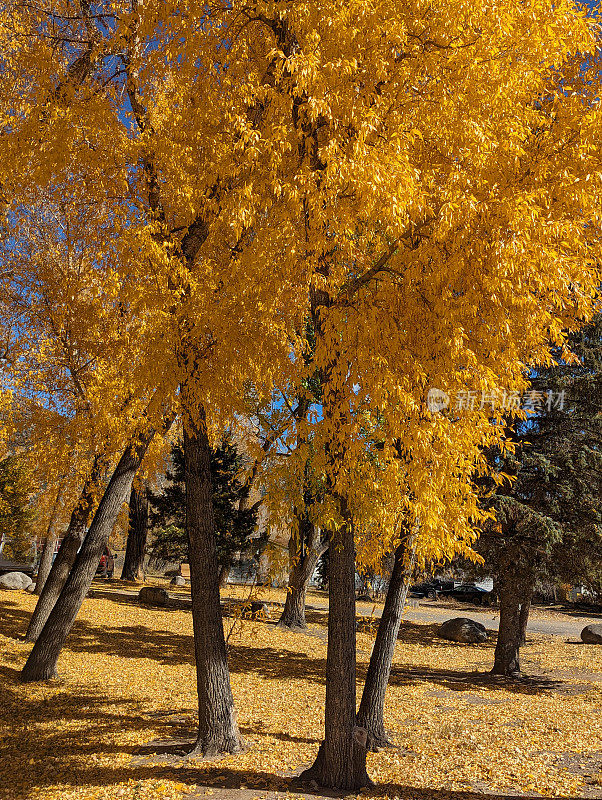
(128, 681)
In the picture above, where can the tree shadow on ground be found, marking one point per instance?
(58, 748)
(460, 681)
(232, 783)
(276, 663)
(585, 611)
(13, 620)
(231, 606)
(170, 648)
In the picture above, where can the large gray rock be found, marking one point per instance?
(154, 596)
(462, 629)
(592, 634)
(15, 580)
(178, 580)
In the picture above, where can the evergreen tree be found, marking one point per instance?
(235, 523)
(15, 513)
(550, 513)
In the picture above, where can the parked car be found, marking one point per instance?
(106, 565)
(431, 589)
(469, 593)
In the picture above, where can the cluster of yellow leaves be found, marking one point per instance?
(131, 681)
(432, 167)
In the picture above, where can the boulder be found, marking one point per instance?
(592, 634)
(255, 610)
(178, 580)
(154, 596)
(15, 580)
(462, 629)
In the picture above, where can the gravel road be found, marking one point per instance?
(552, 622)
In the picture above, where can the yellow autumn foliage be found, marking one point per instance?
(432, 168)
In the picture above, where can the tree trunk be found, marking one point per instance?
(45, 564)
(302, 568)
(506, 660)
(525, 608)
(341, 759)
(218, 730)
(41, 664)
(67, 553)
(133, 565)
(372, 706)
(224, 574)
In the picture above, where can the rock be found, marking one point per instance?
(462, 629)
(15, 580)
(178, 580)
(154, 596)
(592, 634)
(255, 610)
(169, 573)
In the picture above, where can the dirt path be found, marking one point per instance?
(551, 622)
(554, 622)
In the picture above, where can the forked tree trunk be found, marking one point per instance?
(41, 664)
(506, 660)
(67, 553)
(133, 565)
(304, 562)
(341, 759)
(372, 706)
(218, 730)
(45, 564)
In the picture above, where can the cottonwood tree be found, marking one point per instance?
(228, 141)
(42, 660)
(62, 305)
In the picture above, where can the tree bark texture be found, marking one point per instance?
(67, 553)
(218, 731)
(133, 565)
(41, 664)
(341, 759)
(506, 659)
(525, 608)
(372, 706)
(515, 587)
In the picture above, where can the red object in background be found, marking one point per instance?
(106, 565)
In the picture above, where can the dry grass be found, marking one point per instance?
(128, 680)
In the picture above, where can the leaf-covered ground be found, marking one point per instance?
(128, 683)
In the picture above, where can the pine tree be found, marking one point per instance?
(551, 512)
(234, 523)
